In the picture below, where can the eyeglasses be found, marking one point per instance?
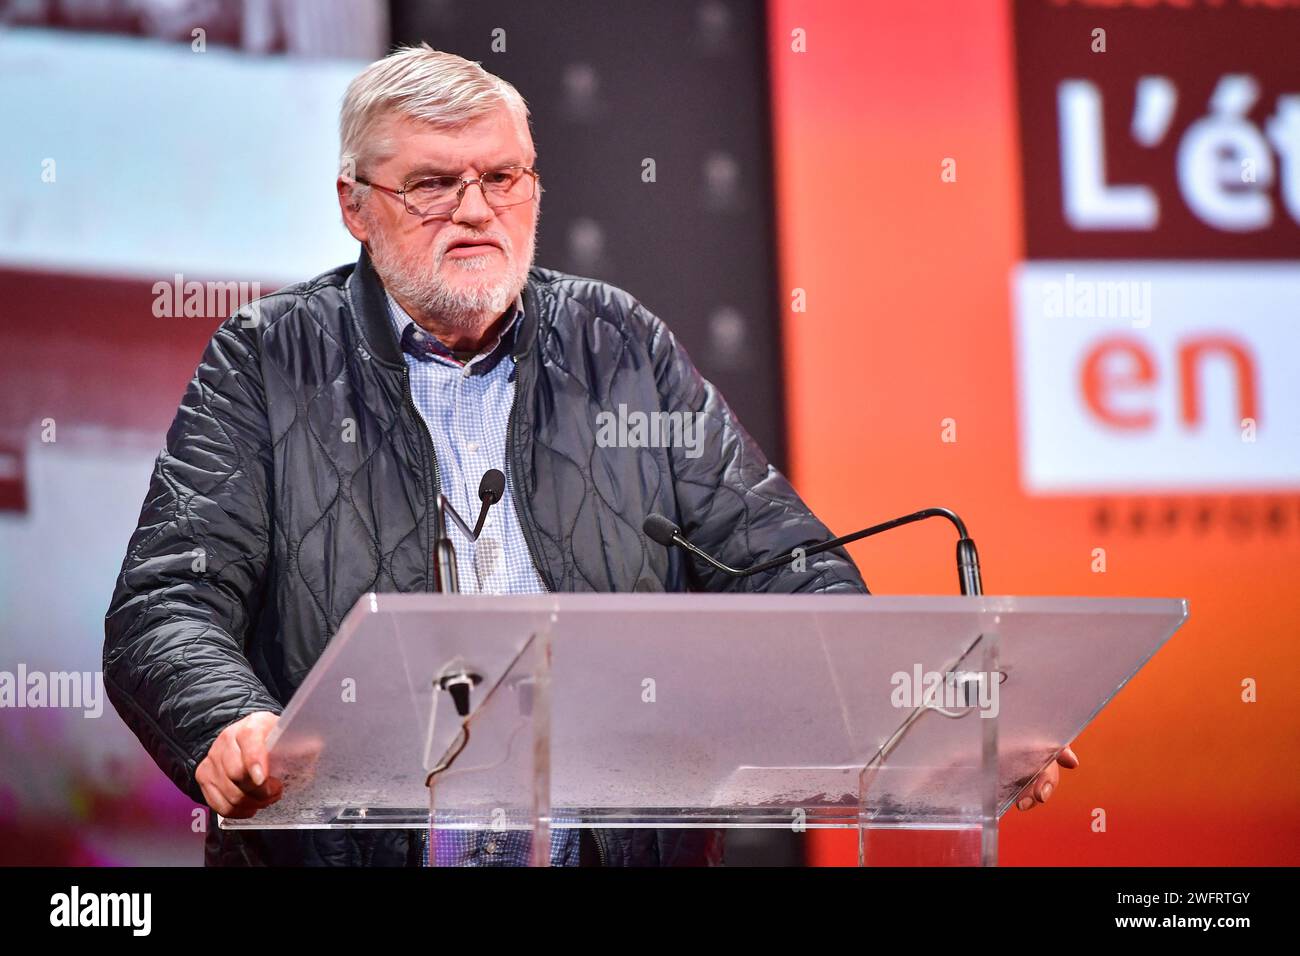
(439, 195)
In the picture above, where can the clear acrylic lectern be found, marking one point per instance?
(915, 721)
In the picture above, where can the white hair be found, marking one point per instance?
(442, 89)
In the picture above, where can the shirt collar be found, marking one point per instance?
(419, 344)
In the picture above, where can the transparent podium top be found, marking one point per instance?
(698, 709)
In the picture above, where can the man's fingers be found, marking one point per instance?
(230, 762)
(215, 800)
(228, 788)
(231, 778)
(234, 776)
(1040, 791)
(236, 771)
(214, 781)
(228, 800)
(1046, 783)
(251, 738)
(1067, 759)
(237, 767)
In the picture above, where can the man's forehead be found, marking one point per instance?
(492, 140)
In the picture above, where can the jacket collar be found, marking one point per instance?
(370, 312)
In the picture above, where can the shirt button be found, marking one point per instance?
(491, 847)
(471, 446)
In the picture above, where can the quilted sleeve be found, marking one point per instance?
(190, 585)
(731, 501)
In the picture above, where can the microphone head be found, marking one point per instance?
(492, 486)
(660, 529)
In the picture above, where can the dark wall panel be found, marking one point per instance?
(611, 85)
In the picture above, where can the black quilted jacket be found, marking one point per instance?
(262, 526)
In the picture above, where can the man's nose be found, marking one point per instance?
(473, 207)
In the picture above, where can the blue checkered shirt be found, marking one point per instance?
(466, 406)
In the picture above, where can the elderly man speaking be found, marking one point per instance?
(305, 460)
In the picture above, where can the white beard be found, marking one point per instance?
(468, 306)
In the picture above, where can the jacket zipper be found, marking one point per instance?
(524, 520)
(429, 500)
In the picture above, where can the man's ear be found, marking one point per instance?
(351, 210)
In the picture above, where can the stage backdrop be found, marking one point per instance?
(1047, 276)
(166, 161)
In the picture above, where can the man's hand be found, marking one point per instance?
(1045, 782)
(234, 775)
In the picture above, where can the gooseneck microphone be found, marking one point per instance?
(446, 578)
(660, 529)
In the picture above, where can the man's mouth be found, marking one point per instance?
(471, 247)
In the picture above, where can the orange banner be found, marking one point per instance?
(901, 207)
